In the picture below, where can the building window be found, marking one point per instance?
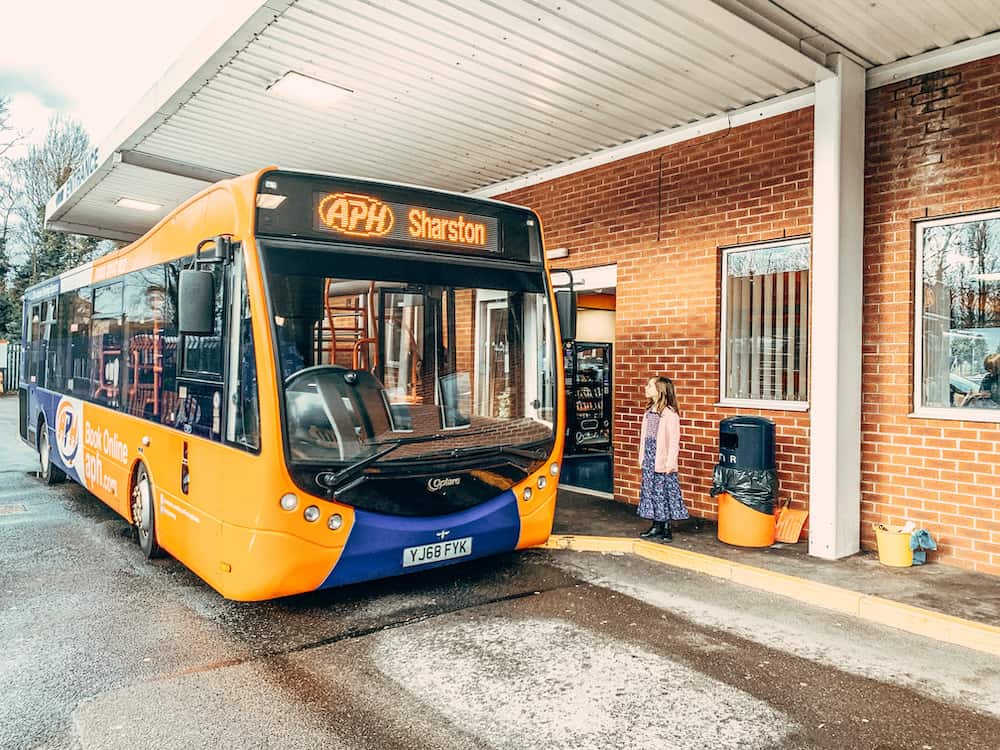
(765, 324)
(957, 347)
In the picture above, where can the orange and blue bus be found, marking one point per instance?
(297, 381)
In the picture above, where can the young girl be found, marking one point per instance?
(659, 441)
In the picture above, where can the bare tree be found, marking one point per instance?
(38, 175)
(43, 171)
(8, 136)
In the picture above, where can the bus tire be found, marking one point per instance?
(144, 514)
(48, 471)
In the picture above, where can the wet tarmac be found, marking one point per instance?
(539, 649)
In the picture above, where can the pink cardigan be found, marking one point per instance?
(668, 439)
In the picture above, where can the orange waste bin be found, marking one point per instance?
(743, 526)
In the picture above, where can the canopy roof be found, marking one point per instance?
(469, 95)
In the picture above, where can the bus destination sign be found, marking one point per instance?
(361, 216)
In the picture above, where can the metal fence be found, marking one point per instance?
(10, 365)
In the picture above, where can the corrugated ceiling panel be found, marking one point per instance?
(883, 31)
(126, 181)
(459, 95)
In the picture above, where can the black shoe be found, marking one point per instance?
(667, 534)
(653, 531)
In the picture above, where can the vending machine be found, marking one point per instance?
(588, 397)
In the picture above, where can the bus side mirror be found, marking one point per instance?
(566, 309)
(196, 303)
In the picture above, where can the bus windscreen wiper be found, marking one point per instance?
(485, 450)
(337, 481)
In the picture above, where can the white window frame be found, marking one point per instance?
(970, 414)
(758, 403)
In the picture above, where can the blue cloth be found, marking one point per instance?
(921, 540)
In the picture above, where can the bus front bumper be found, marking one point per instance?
(258, 565)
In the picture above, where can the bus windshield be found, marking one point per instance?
(432, 357)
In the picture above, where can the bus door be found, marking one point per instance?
(190, 483)
(218, 383)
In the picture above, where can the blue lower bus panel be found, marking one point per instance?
(381, 546)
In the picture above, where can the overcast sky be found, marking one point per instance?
(90, 59)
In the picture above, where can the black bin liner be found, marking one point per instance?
(755, 488)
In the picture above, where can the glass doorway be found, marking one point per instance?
(589, 362)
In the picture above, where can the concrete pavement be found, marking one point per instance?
(936, 601)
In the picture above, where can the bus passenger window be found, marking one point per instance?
(60, 356)
(145, 301)
(34, 344)
(75, 309)
(42, 324)
(169, 401)
(53, 346)
(106, 344)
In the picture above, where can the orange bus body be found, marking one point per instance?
(228, 528)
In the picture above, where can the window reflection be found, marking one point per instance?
(960, 312)
(471, 364)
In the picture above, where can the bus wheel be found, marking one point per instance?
(48, 471)
(143, 514)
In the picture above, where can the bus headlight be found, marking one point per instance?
(542, 481)
(526, 494)
(554, 469)
(335, 521)
(289, 501)
(311, 514)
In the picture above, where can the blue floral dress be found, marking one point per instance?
(660, 494)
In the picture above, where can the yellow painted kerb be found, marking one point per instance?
(922, 622)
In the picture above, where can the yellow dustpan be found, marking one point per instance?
(789, 524)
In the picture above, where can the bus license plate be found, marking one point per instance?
(428, 553)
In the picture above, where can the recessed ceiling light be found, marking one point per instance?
(137, 205)
(311, 92)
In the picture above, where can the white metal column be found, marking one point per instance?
(838, 227)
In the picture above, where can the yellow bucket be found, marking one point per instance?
(893, 546)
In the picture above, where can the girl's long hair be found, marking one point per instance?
(666, 396)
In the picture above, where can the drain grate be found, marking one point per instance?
(9, 510)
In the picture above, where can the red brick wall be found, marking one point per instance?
(661, 217)
(465, 332)
(932, 151)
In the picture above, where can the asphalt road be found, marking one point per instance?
(101, 649)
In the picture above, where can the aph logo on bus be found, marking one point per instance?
(68, 431)
(356, 215)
